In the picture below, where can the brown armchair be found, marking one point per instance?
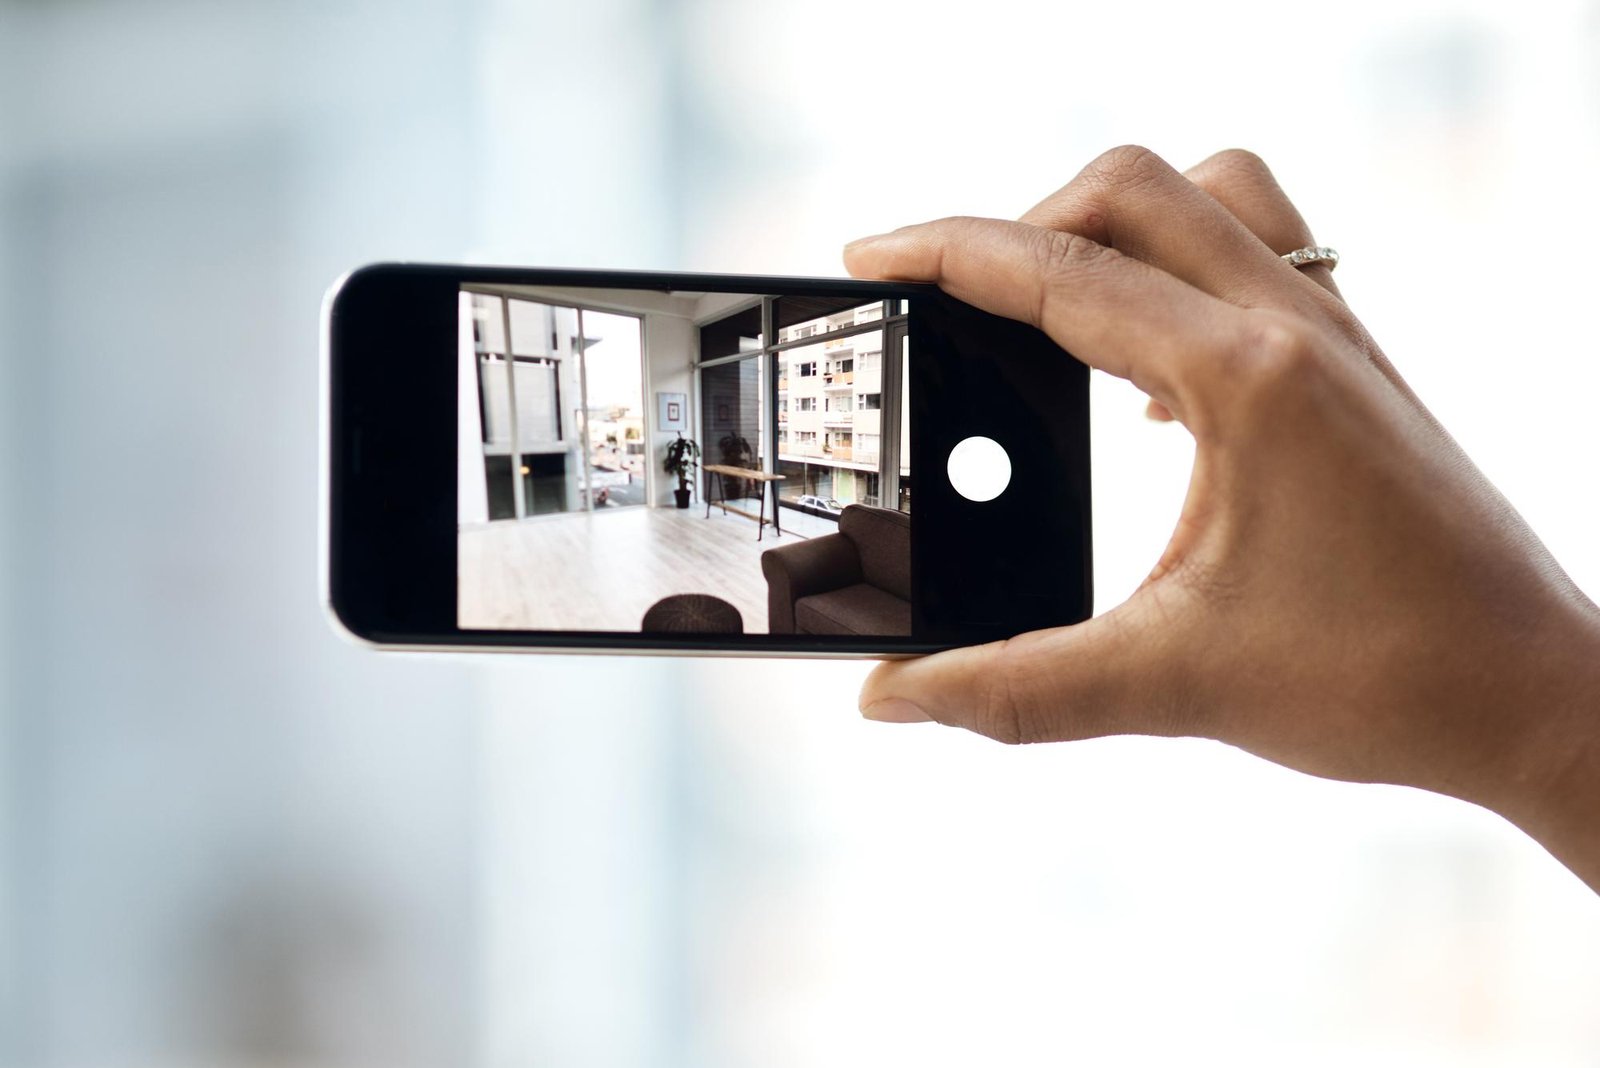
(857, 581)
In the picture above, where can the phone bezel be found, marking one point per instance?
(345, 523)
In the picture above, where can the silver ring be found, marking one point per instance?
(1305, 257)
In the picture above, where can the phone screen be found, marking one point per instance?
(550, 458)
(679, 461)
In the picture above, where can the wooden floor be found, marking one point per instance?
(602, 570)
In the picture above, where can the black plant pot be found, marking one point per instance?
(682, 495)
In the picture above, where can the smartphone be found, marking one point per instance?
(608, 461)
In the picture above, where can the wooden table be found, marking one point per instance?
(723, 471)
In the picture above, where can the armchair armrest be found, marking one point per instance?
(799, 570)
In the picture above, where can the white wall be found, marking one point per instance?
(671, 346)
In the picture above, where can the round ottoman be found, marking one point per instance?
(693, 613)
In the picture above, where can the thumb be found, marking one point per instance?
(1108, 675)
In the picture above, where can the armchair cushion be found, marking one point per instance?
(858, 609)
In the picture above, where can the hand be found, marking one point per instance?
(1345, 593)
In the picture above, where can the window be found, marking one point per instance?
(560, 403)
(807, 359)
(867, 487)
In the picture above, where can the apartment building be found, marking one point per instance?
(830, 399)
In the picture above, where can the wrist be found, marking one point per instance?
(1552, 786)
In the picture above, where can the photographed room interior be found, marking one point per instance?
(796, 517)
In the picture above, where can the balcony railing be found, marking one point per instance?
(838, 379)
(841, 452)
(838, 419)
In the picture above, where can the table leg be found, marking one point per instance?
(776, 510)
(761, 515)
(708, 496)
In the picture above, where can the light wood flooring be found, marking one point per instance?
(602, 570)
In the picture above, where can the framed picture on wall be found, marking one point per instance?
(672, 411)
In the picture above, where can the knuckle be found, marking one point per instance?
(1059, 252)
(1126, 166)
(951, 227)
(957, 222)
(1279, 343)
(1239, 161)
(1010, 713)
(1276, 354)
(1060, 256)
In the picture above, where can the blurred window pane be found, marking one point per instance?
(538, 401)
(531, 326)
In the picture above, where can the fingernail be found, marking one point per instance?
(895, 710)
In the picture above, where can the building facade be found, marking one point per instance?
(830, 399)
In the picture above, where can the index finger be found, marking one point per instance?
(1109, 310)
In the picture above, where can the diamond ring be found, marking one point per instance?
(1305, 257)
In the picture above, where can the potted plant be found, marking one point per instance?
(683, 456)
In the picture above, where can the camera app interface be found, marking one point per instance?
(682, 462)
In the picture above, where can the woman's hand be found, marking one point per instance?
(1345, 593)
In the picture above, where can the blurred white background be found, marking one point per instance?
(229, 838)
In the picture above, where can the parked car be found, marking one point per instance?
(821, 504)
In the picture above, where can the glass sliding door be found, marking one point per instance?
(612, 414)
